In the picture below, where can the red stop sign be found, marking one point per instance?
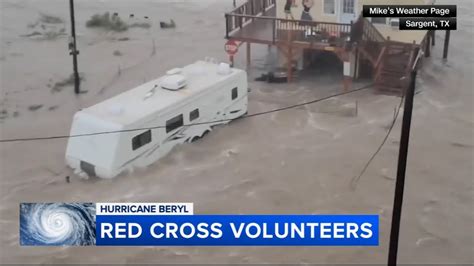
(231, 47)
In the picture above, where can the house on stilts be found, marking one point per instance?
(365, 45)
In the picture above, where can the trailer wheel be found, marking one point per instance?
(205, 133)
(195, 139)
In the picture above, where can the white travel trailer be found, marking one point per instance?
(164, 110)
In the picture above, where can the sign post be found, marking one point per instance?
(231, 48)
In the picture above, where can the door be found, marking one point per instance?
(347, 11)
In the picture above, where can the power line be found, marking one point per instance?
(356, 179)
(189, 125)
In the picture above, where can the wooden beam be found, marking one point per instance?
(433, 37)
(428, 45)
(289, 55)
(248, 55)
(290, 64)
(446, 44)
(347, 69)
(411, 59)
(356, 65)
(379, 59)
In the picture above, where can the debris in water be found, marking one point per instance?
(59, 86)
(49, 19)
(386, 175)
(278, 76)
(460, 145)
(47, 28)
(35, 107)
(230, 152)
(34, 33)
(3, 114)
(166, 25)
(426, 241)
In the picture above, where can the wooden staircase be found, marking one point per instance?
(391, 60)
(393, 72)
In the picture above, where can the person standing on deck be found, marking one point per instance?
(307, 5)
(289, 4)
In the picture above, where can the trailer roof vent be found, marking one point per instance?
(174, 71)
(173, 82)
(116, 110)
(223, 69)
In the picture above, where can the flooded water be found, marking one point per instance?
(297, 161)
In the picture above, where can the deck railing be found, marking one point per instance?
(246, 13)
(279, 30)
(334, 34)
(253, 7)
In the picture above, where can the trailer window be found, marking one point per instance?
(235, 93)
(194, 115)
(174, 123)
(141, 140)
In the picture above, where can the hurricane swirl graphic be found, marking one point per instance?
(57, 224)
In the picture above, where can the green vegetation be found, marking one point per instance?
(50, 19)
(108, 22)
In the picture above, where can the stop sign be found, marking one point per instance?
(231, 47)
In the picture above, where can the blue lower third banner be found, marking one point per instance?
(238, 230)
(175, 224)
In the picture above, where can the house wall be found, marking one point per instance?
(317, 11)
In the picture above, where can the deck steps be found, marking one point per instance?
(391, 74)
(390, 60)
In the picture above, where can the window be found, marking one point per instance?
(141, 140)
(235, 93)
(194, 115)
(379, 20)
(348, 6)
(395, 22)
(329, 7)
(174, 123)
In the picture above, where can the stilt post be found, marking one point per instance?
(446, 44)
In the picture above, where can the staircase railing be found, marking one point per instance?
(369, 39)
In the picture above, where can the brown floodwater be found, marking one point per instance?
(299, 161)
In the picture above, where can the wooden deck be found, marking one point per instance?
(258, 30)
(265, 28)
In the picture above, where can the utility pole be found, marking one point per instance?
(73, 48)
(446, 44)
(402, 164)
